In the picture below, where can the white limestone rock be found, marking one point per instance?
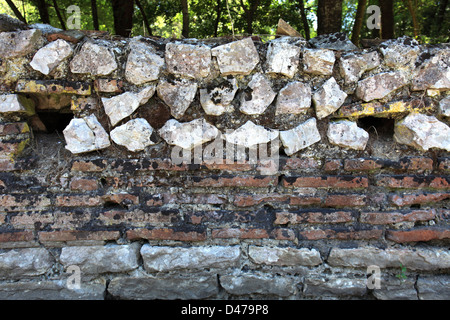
(257, 96)
(282, 57)
(294, 98)
(85, 135)
(250, 134)
(11, 103)
(300, 137)
(422, 132)
(123, 105)
(347, 134)
(187, 60)
(143, 64)
(217, 100)
(237, 57)
(177, 94)
(19, 43)
(50, 56)
(93, 59)
(434, 73)
(352, 66)
(444, 106)
(400, 53)
(188, 135)
(318, 61)
(380, 85)
(328, 98)
(135, 135)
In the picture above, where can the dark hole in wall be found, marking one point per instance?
(383, 127)
(55, 121)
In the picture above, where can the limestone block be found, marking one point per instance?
(143, 64)
(282, 57)
(294, 98)
(347, 134)
(85, 135)
(134, 135)
(328, 98)
(19, 43)
(300, 137)
(250, 134)
(380, 85)
(238, 57)
(257, 96)
(217, 100)
(93, 59)
(187, 60)
(50, 56)
(177, 94)
(318, 61)
(352, 66)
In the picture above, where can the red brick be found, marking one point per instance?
(418, 198)
(412, 182)
(283, 234)
(108, 85)
(341, 234)
(76, 235)
(138, 217)
(229, 166)
(13, 128)
(345, 200)
(166, 234)
(237, 233)
(332, 165)
(19, 202)
(301, 164)
(395, 217)
(423, 234)
(362, 164)
(293, 200)
(344, 182)
(234, 181)
(328, 216)
(19, 236)
(97, 165)
(121, 198)
(78, 201)
(16, 164)
(417, 164)
(83, 184)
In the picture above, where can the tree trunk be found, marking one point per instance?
(58, 13)
(16, 11)
(94, 14)
(218, 14)
(43, 11)
(304, 19)
(412, 11)
(144, 17)
(329, 16)
(250, 14)
(387, 19)
(123, 17)
(185, 11)
(441, 13)
(359, 19)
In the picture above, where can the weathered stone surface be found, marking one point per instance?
(417, 259)
(444, 106)
(283, 28)
(101, 259)
(380, 85)
(300, 137)
(121, 106)
(422, 132)
(22, 263)
(134, 135)
(334, 41)
(19, 43)
(93, 59)
(318, 61)
(328, 98)
(325, 287)
(50, 56)
(283, 57)
(8, 23)
(217, 100)
(14, 103)
(238, 57)
(187, 60)
(393, 288)
(250, 134)
(284, 256)
(257, 96)
(353, 66)
(85, 135)
(189, 134)
(53, 87)
(400, 53)
(143, 64)
(178, 95)
(294, 98)
(164, 259)
(434, 73)
(433, 287)
(246, 284)
(165, 288)
(51, 290)
(347, 134)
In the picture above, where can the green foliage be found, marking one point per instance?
(209, 18)
(402, 275)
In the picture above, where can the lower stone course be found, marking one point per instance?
(143, 271)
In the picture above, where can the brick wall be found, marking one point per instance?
(136, 224)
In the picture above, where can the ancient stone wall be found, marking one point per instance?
(223, 168)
